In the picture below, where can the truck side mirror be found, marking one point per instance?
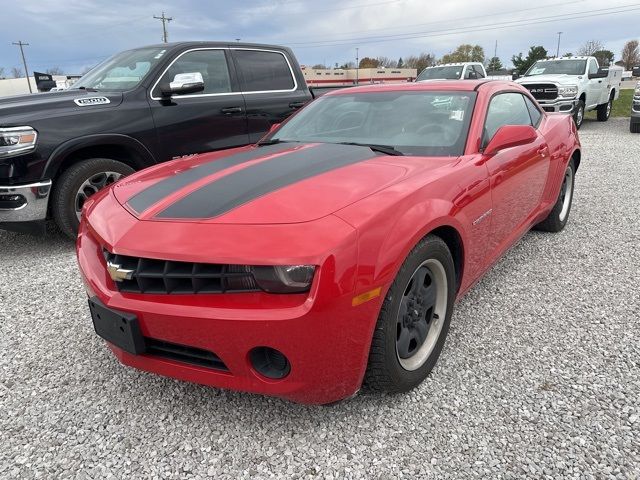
(602, 73)
(515, 76)
(183, 83)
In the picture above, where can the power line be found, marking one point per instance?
(21, 44)
(165, 20)
(468, 29)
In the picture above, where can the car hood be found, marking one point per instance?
(22, 108)
(562, 79)
(271, 184)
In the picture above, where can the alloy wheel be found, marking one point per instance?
(91, 186)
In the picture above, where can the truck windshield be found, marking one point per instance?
(425, 123)
(557, 67)
(122, 72)
(453, 72)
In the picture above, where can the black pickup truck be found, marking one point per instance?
(137, 108)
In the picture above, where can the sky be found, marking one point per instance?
(77, 34)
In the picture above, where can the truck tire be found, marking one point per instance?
(78, 183)
(634, 127)
(604, 110)
(578, 115)
(414, 319)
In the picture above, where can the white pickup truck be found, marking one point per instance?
(453, 71)
(573, 85)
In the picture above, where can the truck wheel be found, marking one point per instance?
(414, 319)
(557, 218)
(634, 127)
(578, 116)
(604, 110)
(78, 183)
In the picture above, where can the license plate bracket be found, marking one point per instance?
(122, 329)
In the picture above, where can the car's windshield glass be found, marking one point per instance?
(555, 67)
(425, 123)
(452, 72)
(121, 72)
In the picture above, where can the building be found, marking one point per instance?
(338, 77)
(18, 86)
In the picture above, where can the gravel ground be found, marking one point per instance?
(540, 376)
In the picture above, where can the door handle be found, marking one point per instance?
(230, 110)
(296, 104)
(542, 151)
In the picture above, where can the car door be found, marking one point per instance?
(212, 119)
(517, 175)
(270, 88)
(595, 86)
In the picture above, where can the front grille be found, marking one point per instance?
(543, 91)
(145, 275)
(184, 354)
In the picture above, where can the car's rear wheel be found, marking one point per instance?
(414, 319)
(604, 110)
(557, 218)
(77, 184)
(578, 115)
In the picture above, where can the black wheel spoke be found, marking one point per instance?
(403, 342)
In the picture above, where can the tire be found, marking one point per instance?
(92, 175)
(391, 367)
(604, 110)
(578, 116)
(634, 127)
(557, 218)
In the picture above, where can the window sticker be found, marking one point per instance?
(456, 115)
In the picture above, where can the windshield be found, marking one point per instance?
(443, 73)
(413, 123)
(554, 67)
(121, 72)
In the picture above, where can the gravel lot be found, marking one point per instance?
(540, 376)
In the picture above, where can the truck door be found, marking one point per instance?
(595, 86)
(518, 175)
(212, 119)
(270, 88)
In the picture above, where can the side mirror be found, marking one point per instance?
(273, 128)
(515, 76)
(602, 73)
(509, 136)
(183, 83)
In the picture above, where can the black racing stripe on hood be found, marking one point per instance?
(257, 180)
(156, 192)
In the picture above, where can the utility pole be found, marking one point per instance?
(165, 20)
(495, 50)
(357, 65)
(558, 49)
(24, 62)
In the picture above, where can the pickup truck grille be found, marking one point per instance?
(152, 276)
(543, 91)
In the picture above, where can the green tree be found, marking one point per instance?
(494, 64)
(465, 53)
(522, 64)
(400, 63)
(605, 57)
(567, 55)
(368, 62)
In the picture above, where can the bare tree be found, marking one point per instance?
(420, 62)
(387, 62)
(590, 47)
(16, 72)
(54, 71)
(630, 54)
(1, 72)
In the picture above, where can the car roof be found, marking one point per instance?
(433, 85)
(455, 64)
(202, 44)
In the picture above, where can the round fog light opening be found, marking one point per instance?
(269, 362)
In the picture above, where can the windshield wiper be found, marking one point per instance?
(88, 89)
(271, 141)
(386, 149)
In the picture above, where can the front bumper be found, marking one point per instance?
(560, 105)
(21, 204)
(325, 338)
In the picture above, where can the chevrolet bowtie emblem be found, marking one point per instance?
(117, 273)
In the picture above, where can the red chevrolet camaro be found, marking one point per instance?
(331, 253)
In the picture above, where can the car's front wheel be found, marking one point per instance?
(578, 115)
(77, 184)
(414, 319)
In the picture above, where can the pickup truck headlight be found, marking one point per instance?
(285, 278)
(17, 140)
(568, 90)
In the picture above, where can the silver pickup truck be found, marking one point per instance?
(573, 85)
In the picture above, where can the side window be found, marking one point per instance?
(478, 71)
(505, 109)
(211, 64)
(593, 68)
(263, 71)
(469, 73)
(533, 111)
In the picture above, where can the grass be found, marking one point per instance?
(621, 107)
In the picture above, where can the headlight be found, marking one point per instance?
(568, 90)
(638, 89)
(285, 278)
(17, 140)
